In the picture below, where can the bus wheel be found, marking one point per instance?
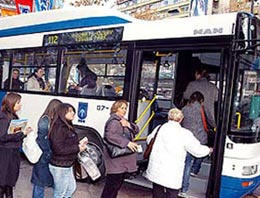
(95, 152)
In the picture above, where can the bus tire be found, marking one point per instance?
(95, 142)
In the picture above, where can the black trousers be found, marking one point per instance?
(7, 191)
(112, 185)
(163, 192)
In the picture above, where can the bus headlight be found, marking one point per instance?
(249, 170)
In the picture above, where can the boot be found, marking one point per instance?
(9, 191)
(1, 192)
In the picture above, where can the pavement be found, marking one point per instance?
(23, 188)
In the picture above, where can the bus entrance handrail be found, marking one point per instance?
(146, 109)
(137, 138)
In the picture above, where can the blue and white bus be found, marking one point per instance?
(149, 64)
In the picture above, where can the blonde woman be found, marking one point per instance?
(167, 159)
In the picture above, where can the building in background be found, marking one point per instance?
(158, 9)
(146, 9)
(245, 5)
(154, 9)
(7, 8)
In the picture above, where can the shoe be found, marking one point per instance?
(182, 194)
(185, 195)
(193, 174)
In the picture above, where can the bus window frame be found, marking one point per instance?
(59, 50)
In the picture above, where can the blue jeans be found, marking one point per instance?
(196, 165)
(38, 191)
(64, 181)
(192, 164)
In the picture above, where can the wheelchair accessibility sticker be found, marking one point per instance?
(82, 111)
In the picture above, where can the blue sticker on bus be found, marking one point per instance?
(82, 111)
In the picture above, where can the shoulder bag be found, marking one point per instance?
(114, 150)
(149, 147)
(209, 130)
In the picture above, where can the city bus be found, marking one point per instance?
(149, 64)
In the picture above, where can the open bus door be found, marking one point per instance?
(155, 90)
(164, 77)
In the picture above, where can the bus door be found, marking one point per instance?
(155, 90)
(189, 61)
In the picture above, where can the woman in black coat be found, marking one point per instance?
(65, 148)
(41, 176)
(10, 144)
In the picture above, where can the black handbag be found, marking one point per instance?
(115, 151)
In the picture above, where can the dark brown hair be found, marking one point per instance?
(62, 110)
(203, 73)
(8, 104)
(51, 108)
(196, 96)
(117, 104)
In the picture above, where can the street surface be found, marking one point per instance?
(23, 187)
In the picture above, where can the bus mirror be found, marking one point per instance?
(247, 31)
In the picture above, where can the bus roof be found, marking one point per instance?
(27, 30)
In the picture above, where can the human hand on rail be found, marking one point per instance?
(210, 150)
(82, 147)
(83, 140)
(125, 123)
(132, 146)
(27, 130)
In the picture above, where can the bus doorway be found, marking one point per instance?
(210, 62)
(164, 78)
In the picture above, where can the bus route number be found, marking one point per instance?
(101, 107)
(53, 40)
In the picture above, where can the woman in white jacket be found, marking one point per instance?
(167, 159)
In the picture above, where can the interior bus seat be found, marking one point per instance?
(107, 90)
(95, 91)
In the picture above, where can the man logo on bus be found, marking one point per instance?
(208, 31)
(82, 111)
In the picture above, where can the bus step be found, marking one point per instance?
(140, 181)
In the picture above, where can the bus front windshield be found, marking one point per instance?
(245, 125)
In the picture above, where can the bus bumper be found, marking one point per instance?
(232, 187)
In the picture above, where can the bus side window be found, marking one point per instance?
(96, 73)
(4, 67)
(36, 68)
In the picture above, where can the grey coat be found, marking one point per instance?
(210, 93)
(114, 133)
(193, 121)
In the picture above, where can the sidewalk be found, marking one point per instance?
(23, 188)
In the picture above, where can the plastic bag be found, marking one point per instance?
(31, 149)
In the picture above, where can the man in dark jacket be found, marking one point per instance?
(16, 84)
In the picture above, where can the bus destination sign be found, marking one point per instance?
(109, 35)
